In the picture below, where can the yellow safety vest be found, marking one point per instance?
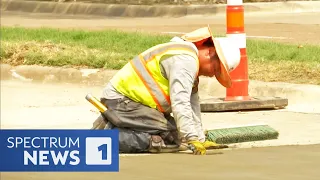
(141, 79)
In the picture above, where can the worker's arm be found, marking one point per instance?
(195, 104)
(181, 71)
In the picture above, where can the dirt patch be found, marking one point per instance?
(17, 53)
(290, 72)
(50, 54)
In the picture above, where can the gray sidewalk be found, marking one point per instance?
(30, 105)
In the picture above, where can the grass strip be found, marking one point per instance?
(111, 49)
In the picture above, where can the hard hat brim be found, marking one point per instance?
(201, 35)
(223, 77)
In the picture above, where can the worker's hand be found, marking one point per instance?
(212, 145)
(197, 147)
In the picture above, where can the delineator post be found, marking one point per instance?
(237, 96)
(236, 30)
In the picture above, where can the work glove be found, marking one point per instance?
(197, 147)
(212, 145)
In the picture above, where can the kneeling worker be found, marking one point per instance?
(161, 81)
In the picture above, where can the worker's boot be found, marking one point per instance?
(173, 138)
(157, 145)
(183, 145)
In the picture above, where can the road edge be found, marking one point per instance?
(122, 10)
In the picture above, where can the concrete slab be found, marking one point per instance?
(297, 97)
(255, 103)
(31, 105)
(294, 128)
(285, 163)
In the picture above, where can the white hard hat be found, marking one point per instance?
(228, 52)
(229, 55)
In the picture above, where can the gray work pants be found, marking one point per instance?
(138, 124)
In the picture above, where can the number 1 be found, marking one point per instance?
(103, 148)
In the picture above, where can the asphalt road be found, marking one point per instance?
(300, 28)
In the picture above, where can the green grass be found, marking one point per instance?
(270, 51)
(111, 49)
(100, 49)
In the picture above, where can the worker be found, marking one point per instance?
(155, 95)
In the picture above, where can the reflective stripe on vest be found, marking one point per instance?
(149, 55)
(139, 65)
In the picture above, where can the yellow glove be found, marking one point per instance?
(212, 145)
(197, 147)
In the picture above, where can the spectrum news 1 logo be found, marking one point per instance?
(59, 150)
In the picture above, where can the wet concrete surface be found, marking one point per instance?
(61, 105)
(272, 163)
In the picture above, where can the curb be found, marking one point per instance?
(208, 87)
(122, 10)
(45, 74)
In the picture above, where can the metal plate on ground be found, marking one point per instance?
(219, 104)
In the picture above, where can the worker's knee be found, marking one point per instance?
(133, 142)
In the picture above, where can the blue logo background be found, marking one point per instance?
(12, 159)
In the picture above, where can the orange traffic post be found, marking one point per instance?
(237, 96)
(235, 29)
